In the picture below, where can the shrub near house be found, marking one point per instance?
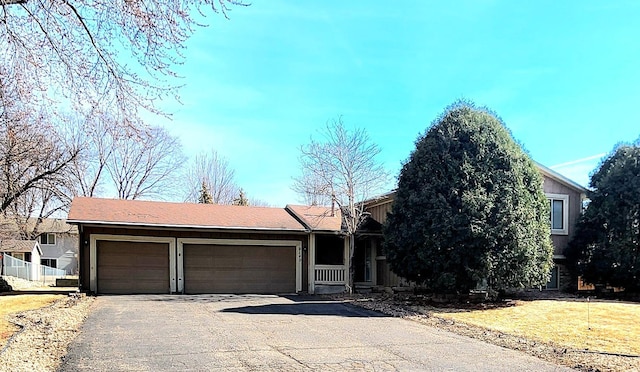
(469, 208)
(606, 247)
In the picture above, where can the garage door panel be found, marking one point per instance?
(239, 269)
(132, 267)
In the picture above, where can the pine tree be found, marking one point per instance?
(241, 200)
(205, 195)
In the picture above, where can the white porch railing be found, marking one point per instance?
(330, 274)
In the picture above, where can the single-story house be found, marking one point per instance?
(26, 251)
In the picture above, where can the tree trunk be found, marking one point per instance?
(352, 268)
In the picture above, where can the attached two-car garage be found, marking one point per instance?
(133, 264)
(139, 246)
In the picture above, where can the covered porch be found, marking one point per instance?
(329, 261)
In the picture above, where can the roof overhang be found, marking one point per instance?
(182, 227)
(304, 222)
(560, 178)
(380, 199)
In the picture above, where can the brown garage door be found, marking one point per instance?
(132, 267)
(239, 269)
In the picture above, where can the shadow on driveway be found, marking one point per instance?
(307, 306)
(267, 304)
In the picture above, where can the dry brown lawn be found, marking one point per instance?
(603, 326)
(18, 303)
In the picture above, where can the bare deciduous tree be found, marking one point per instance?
(80, 51)
(213, 171)
(342, 167)
(95, 137)
(255, 202)
(32, 152)
(34, 170)
(144, 162)
(312, 189)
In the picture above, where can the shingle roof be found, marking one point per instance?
(318, 218)
(47, 225)
(55, 225)
(165, 214)
(18, 246)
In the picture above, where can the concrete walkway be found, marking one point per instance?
(258, 333)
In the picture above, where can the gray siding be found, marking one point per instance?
(552, 186)
(65, 252)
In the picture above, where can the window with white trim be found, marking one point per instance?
(48, 239)
(559, 213)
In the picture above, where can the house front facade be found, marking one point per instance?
(566, 199)
(130, 246)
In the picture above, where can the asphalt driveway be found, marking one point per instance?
(257, 333)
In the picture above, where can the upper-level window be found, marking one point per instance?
(559, 206)
(49, 239)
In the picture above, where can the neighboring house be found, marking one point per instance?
(565, 198)
(23, 250)
(59, 243)
(58, 240)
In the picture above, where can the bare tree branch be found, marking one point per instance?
(76, 48)
(34, 160)
(214, 171)
(143, 163)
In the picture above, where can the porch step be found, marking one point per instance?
(66, 282)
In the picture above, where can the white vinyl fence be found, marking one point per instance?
(12, 266)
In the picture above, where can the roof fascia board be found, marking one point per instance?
(182, 227)
(560, 178)
(298, 218)
(380, 199)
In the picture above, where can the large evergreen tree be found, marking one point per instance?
(606, 245)
(469, 208)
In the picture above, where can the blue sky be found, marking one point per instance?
(563, 76)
